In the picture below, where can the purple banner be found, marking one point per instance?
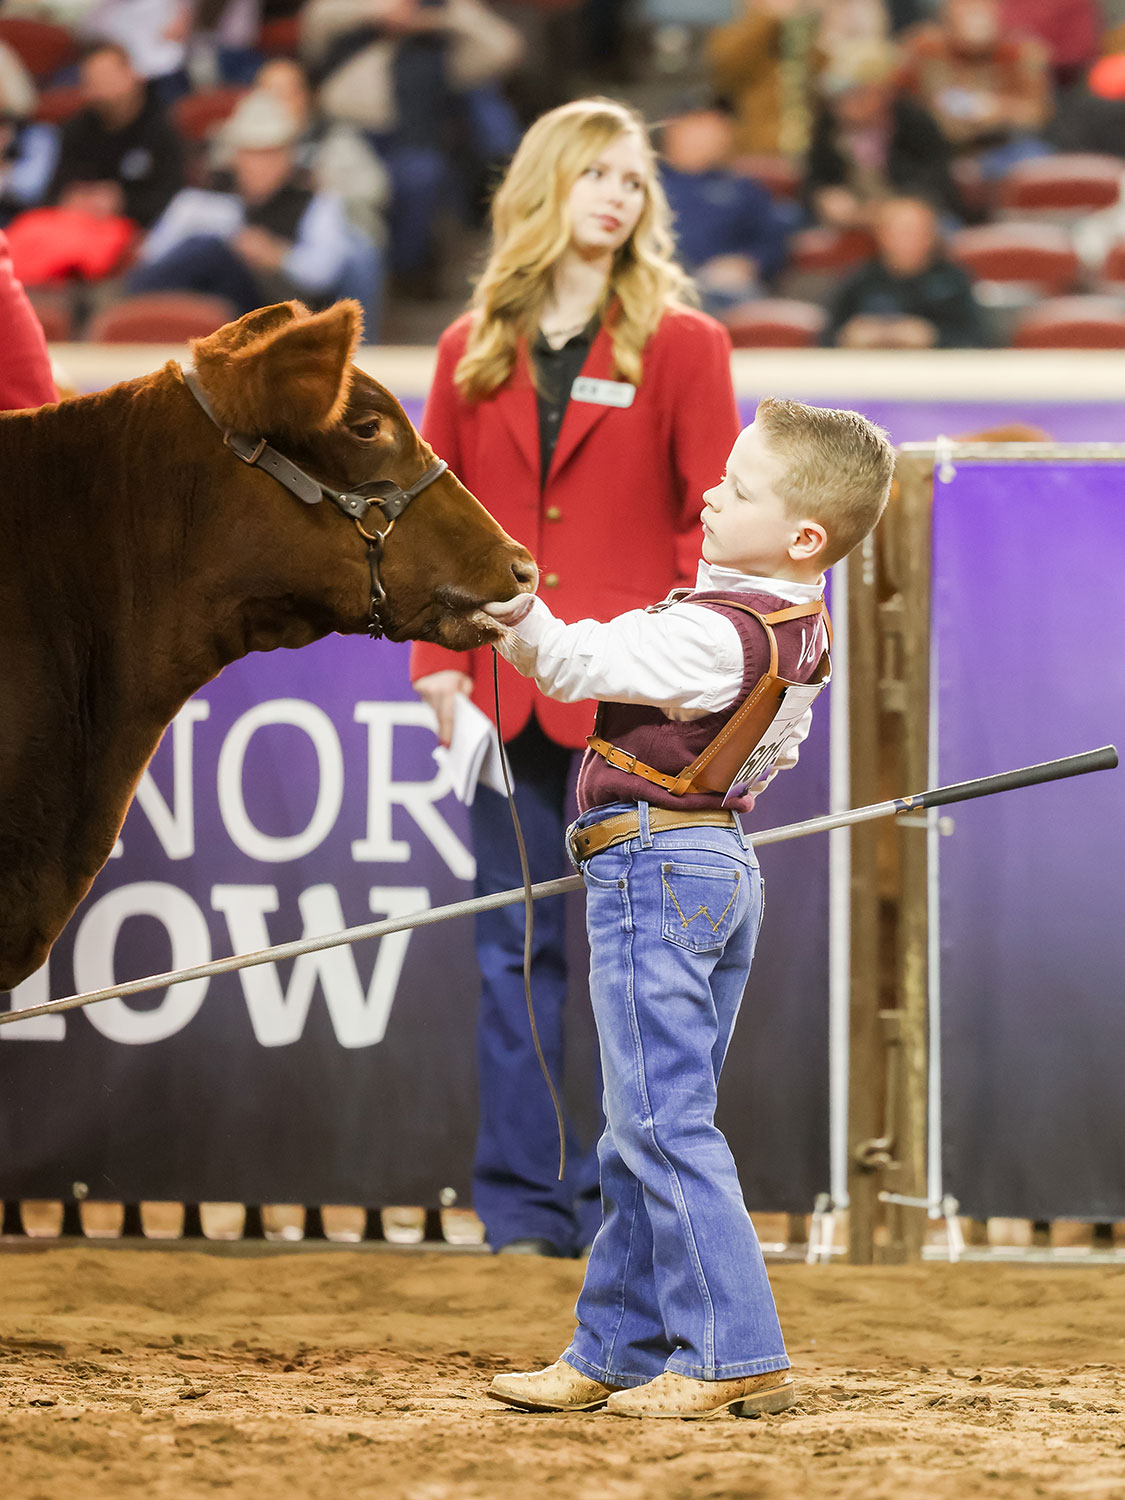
(1028, 559)
(298, 794)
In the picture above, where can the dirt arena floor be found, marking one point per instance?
(262, 1376)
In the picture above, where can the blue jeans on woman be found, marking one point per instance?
(676, 1279)
(516, 1190)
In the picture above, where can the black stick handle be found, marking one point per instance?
(1104, 759)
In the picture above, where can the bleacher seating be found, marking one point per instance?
(776, 323)
(160, 318)
(42, 47)
(1060, 188)
(56, 105)
(1085, 322)
(1038, 257)
(196, 115)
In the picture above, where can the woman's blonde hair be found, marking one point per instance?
(531, 231)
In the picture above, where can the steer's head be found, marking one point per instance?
(286, 375)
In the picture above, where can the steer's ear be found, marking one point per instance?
(288, 374)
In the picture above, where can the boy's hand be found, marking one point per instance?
(441, 691)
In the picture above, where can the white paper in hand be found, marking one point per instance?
(473, 754)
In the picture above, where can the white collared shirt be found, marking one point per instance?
(686, 659)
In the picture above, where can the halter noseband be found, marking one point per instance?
(383, 495)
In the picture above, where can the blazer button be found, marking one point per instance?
(551, 581)
(554, 513)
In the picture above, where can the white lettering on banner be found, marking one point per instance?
(35, 990)
(278, 1017)
(94, 949)
(271, 848)
(417, 797)
(174, 826)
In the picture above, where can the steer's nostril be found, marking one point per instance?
(526, 572)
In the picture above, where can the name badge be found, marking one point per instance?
(603, 392)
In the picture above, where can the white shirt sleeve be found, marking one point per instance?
(322, 245)
(191, 212)
(683, 657)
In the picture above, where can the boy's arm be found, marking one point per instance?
(684, 657)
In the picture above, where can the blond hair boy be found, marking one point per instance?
(701, 700)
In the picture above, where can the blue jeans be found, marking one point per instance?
(675, 1279)
(516, 1190)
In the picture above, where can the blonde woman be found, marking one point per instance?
(588, 407)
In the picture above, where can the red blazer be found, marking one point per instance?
(617, 523)
(25, 369)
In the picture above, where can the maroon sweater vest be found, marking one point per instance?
(669, 745)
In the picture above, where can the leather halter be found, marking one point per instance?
(383, 495)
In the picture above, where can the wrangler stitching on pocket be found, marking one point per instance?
(703, 911)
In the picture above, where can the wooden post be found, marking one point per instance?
(865, 1076)
(907, 696)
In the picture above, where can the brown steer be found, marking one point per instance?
(139, 555)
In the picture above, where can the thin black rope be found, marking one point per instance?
(529, 919)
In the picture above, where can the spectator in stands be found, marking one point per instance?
(870, 142)
(28, 149)
(909, 296)
(118, 155)
(423, 79)
(845, 23)
(729, 235)
(1068, 29)
(338, 158)
(1091, 116)
(224, 39)
(989, 91)
(260, 235)
(154, 34)
(903, 14)
(745, 61)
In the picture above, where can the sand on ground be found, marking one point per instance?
(263, 1376)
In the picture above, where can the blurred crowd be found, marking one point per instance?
(852, 172)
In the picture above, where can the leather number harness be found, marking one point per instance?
(742, 750)
(383, 495)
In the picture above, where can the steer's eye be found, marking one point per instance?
(366, 430)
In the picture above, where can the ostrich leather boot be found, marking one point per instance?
(672, 1395)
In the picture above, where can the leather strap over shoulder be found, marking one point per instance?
(748, 722)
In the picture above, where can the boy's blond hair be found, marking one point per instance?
(838, 468)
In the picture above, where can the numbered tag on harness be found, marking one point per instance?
(795, 702)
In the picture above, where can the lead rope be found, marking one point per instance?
(529, 919)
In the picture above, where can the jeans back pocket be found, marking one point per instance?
(700, 904)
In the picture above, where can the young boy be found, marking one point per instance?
(676, 1317)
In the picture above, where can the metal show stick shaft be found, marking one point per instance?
(1103, 759)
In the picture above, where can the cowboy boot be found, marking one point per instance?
(673, 1395)
(560, 1387)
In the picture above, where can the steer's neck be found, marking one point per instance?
(127, 586)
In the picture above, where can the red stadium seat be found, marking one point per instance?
(196, 115)
(1073, 323)
(829, 249)
(1061, 187)
(42, 47)
(54, 308)
(776, 323)
(1111, 277)
(280, 38)
(1039, 257)
(780, 176)
(160, 318)
(58, 104)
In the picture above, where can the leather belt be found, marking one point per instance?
(586, 842)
